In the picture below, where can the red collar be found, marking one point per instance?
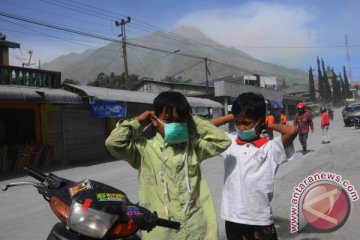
(257, 142)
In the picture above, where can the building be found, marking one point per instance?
(260, 81)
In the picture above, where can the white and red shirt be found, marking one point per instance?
(250, 170)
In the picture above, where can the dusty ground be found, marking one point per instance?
(25, 215)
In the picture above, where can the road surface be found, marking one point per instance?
(25, 215)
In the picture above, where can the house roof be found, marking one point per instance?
(5, 43)
(38, 94)
(131, 96)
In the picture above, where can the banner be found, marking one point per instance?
(106, 108)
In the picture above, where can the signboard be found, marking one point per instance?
(106, 108)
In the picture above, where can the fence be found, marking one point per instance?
(15, 157)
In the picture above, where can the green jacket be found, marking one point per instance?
(171, 181)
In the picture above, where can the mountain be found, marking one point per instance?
(182, 43)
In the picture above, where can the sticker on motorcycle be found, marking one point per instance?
(83, 185)
(105, 197)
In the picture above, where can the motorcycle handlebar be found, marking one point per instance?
(168, 223)
(35, 173)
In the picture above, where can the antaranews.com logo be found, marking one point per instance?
(321, 203)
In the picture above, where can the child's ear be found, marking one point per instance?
(154, 120)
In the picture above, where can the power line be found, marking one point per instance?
(36, 22)
(39, 33)
(57, 27)
(50, 13)
(161, 32)
(143, 68)
(294, 47)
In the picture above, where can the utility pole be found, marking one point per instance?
(122, 23)
(207, 73)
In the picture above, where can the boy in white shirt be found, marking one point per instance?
(250, 166)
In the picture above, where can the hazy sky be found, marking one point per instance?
(286, 32)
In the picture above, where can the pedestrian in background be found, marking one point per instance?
(325, 123)
(270, 120)
(303, 121)
(283, 118)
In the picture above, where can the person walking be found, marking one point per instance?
(269, 120)
(303, 121)
(283, 117)
(325, 123)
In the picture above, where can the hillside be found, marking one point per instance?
(223, 61)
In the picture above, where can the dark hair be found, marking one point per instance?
(252, 104)
(171, 100)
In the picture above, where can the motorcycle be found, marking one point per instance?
(91, 210)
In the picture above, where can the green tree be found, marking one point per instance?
(321, 85)
(343, 94)
(311, 85)
(347, 91)
(328, 96)
(114, 81)
(336, 90)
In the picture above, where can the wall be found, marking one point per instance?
(77, 136)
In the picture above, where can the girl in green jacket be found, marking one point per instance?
(170, 178)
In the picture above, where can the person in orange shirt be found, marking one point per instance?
(270, 120)
(283, 117)
(325, 123)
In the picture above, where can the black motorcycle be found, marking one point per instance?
(91, 210)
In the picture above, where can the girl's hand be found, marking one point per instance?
(145, 117)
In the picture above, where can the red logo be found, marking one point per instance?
(325, 206)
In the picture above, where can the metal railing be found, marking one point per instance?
(12, 75)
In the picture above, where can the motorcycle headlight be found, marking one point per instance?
(89, 222)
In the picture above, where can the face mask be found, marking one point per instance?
(248, 135)
(301, 110)
(175, 132)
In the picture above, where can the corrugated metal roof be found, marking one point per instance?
(9, 44)
(132, 96)
(27, 93)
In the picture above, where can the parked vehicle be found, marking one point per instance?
(91, 210)
(350, 113)
(357, 122)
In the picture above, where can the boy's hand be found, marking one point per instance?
(145, 117)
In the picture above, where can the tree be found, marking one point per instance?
(343, 94)
(348, 93)
(336, 90)
(114, 81)
(172, 79)
(320, 82)
(311, 85)
(328, 96)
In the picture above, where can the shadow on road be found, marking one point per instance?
(282, 226)
(307, 151)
